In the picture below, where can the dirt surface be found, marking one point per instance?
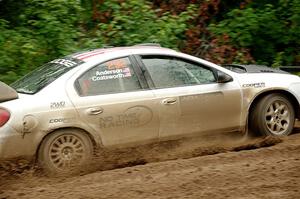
(229, 168)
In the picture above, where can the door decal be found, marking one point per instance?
(133, 117)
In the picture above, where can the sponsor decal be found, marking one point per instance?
(254, 85)
(64, 62)
(111, 74)
(61, 120)
(116, 64)
(133, 117)
(204, 97)
(123, 120)
(57, 105)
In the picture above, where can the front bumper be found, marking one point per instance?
(13, 144)
(295, 89)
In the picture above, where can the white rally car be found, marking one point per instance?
(61, 112)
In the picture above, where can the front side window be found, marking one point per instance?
(171, 72)
(110, 77)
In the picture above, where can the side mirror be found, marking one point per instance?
(223, 77)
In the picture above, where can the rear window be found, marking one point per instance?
(44, 75)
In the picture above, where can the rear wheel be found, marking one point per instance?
(273, 115)
(65, 151)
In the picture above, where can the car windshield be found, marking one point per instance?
(44, 75)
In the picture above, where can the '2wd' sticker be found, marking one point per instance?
(56, 105)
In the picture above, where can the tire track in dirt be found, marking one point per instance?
(233, 167)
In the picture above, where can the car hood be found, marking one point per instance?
(7, 93)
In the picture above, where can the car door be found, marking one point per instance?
(191, 100)
(112, 101)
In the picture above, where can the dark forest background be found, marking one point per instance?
(33, 32)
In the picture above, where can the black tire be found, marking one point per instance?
(273, 115)
(65, 151)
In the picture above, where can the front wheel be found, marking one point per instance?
(273, 115)
(65, 151)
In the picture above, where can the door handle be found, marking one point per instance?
(95, 111)
(169, 101)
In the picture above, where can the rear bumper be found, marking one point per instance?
(13, 145)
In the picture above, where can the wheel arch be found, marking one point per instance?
(96, 144)
(287, 94)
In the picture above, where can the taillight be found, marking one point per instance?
(4, 116)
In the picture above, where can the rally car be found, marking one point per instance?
(126, 96)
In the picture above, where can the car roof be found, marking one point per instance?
(94, 53)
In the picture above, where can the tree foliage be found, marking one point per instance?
(271, 31)
(46, 29)
(33, 32)
(132, 22)
(43, 31)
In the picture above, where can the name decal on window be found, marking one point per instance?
(111, 74)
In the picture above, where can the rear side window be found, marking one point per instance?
(110, 77)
